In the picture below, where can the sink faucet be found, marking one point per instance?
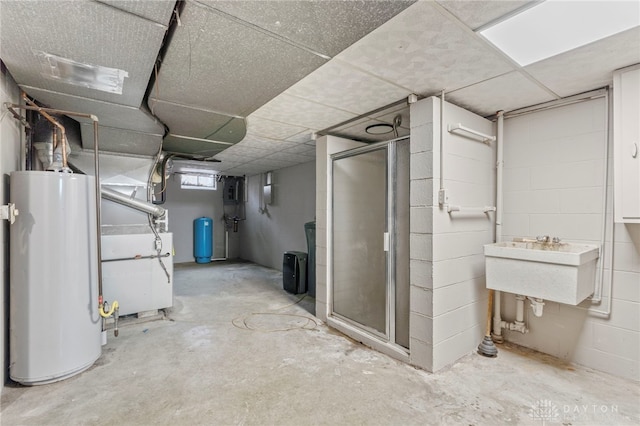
(543, 239)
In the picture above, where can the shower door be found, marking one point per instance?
(369, 286)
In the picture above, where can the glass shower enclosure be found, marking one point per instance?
(370, 240)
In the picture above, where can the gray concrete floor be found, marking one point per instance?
(236, 349)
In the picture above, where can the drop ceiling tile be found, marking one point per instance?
(249, 152)
(121, 141)
(157, 10)
(476, 13)
(271, 163)
(110, 115)
(301, 149)
(225, 156)
(218, 64)
(302, 137)
(325, 27)
(588, 67)
(506, 92)
(260, 143)
(225, 165)
(271, 129)
(265, 143)
(245, 170)
(288, 157)
(86, 32)
(423, 51)
(293, 110)
(339, 85)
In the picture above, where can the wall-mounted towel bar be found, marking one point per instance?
(460, 129)
(461, 209)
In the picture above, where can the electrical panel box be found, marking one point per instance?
(233, 190)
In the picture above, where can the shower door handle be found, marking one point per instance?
(386, 241)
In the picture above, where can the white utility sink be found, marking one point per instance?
(559, 272)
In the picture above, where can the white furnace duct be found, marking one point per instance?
(55, 325)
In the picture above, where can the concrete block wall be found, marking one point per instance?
(448, 296)
(10, 160)
(264, 237)
(553, 186)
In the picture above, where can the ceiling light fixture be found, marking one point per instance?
(379, 129)
(556, 26)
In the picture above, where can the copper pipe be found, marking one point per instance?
(11, 107)
(63, 133)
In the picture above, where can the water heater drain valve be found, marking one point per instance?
(9, 212)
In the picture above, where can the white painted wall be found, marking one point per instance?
(186, 205)
(448, 296)
(553, 186)
(10, 138)
(264, 237)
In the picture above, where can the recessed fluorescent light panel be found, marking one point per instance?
(557, 26)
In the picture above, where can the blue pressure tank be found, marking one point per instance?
(203, 239)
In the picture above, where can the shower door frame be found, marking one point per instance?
(383, 342)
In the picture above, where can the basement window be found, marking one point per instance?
(198, 181)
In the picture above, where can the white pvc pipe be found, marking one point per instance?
(442, 141)
(519, 308)
(497, 316)
(226, 247)
(499, 174)
(598, 296)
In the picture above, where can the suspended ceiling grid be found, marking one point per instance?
(124, 35)
(228, 58)
(211, 83)
(428, 47)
